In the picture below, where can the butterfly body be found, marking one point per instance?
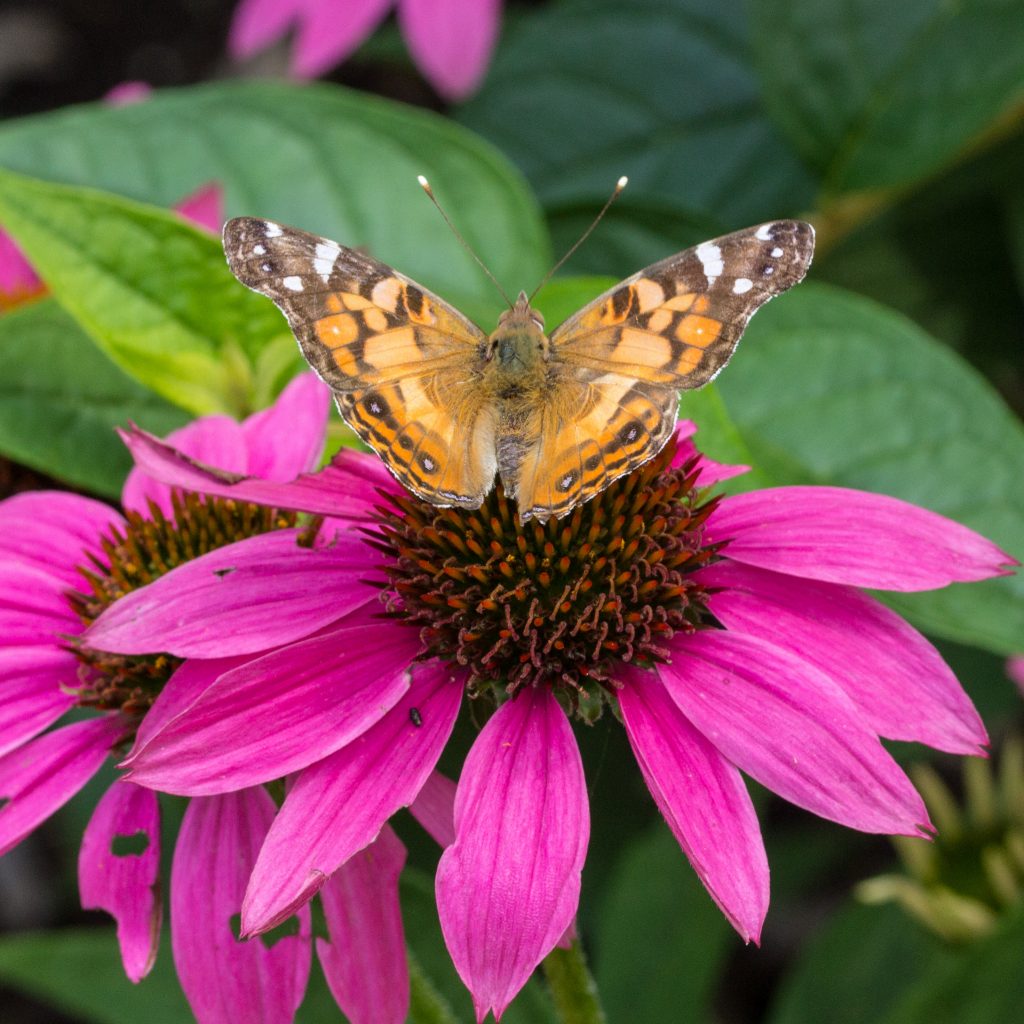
(557, 416)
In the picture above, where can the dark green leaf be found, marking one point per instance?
(61, 398)
(335, 162)
(663, 93)
(984, 984)
(857, 968)
(78, 970)
(633, 234)
(880, 95)
(829, 388)
(153, 291)
(653, 901)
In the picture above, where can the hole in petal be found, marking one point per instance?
(134, 845)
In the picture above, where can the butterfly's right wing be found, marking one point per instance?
(404, 365)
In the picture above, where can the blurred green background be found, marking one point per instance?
(897, 129)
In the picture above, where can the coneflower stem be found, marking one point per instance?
(572, 986)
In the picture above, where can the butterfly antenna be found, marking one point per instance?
(619, 186)
(425, 185)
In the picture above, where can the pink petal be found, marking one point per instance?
(331, 31)
(434, 808)
(55, 532)
(228, 981)
(204, 207)
(188, 682)
(41, 776)
(853, 537)
(33, 608)
(34, 692)
(258, 23)
(347, 488)
(16, 274)
(288, 438)
(125, 94)
(784, 722)
(451, 41)
(249, 596)
(125, 884)
(279, 713)
(364, 960)
(703, 798)
(900, 684)
(508, 887)
(217, 440)
(711, 472)
(337, 806)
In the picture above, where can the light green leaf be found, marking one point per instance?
(663, 93)
(829, 388)
(319, 157)
(61, 398)
(151, 290)
(880, 95)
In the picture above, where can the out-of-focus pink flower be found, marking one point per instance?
(63, 557)
(450, 40)
(19, 283)
(1015, 670)
(124, 94)
(730, 633)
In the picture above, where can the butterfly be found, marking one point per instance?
(557, 416)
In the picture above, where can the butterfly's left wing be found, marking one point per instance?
(623, 359)
(404, 365)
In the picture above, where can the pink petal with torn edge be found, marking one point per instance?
(227, 980)
(893, 674)
(124, 881)
(364, 960)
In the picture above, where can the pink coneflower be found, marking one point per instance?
(19, 283)
(450, 40)
(728, 633)
(64, 559)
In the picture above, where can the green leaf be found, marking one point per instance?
(634, 233)
(880, 95)
(78, 970)
(653, 901)
(153, 291)
(332, 161)
(61, 398)
(829, 388)
(983, 984)
(663, 93)
(857, 968)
